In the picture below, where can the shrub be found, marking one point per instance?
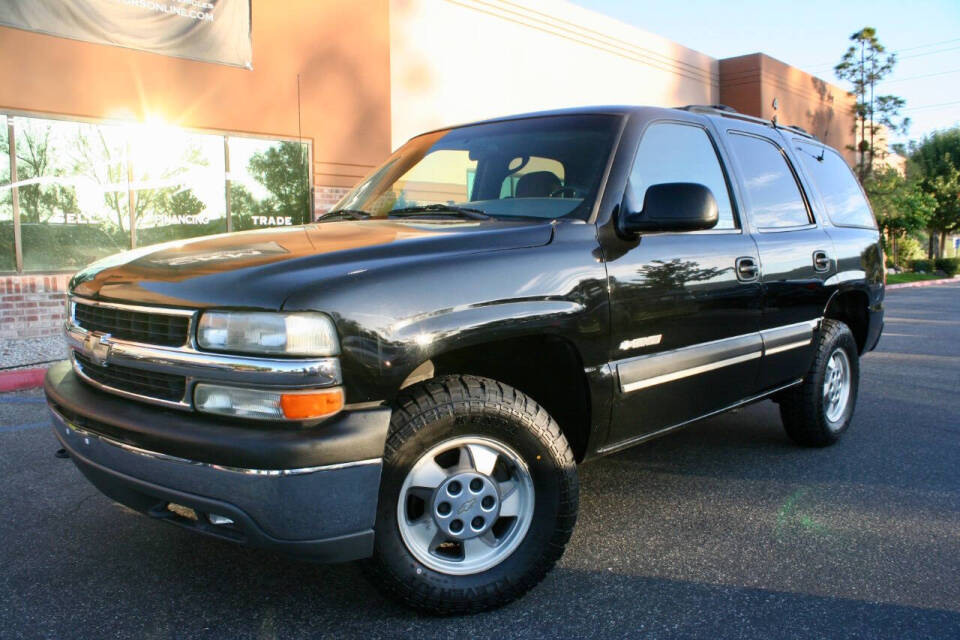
(908, 249)
(949, 266)
(921, 265)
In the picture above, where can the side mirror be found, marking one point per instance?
(673, 206)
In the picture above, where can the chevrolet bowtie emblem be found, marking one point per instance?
(466, 506)
(97, 347)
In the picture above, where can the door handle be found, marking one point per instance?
(821, 261)
(747, 269)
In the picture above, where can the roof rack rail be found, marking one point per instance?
(708, 107)
(725, 111)
(798, 129)
(730, 112)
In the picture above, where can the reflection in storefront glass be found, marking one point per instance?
(73, 205)
(177, 184)
(7, 256)
(269, 183)
(77, 183)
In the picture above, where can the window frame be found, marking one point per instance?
(813, 221)
(735, 209)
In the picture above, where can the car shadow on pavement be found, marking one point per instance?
(194, 587)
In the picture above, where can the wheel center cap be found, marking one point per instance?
(466, 505)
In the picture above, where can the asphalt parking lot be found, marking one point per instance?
(724, 530)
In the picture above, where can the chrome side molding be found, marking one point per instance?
(787, 337)
(658, 368)
(649, 370)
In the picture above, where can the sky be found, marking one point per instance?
(814, 34)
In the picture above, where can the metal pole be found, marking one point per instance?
(226, 181)
(15, 195)
(131, 209)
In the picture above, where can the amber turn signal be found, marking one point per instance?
(264, 404)
(307, 406)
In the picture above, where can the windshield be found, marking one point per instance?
(546, 167)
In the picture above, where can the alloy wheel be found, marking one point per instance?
(465, 505)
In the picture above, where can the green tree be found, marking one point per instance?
(36, 160)
(180, 203)
(166, 200)
(937, 160)
(103, 161)
(902, 207)
(283, 170)
(864, 64)
(243, 206)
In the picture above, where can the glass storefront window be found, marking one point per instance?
(72, 193)
(78, 181)
(7, 255)
(178, 183)
(269, 183)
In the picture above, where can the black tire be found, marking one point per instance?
(454, 406)
(803, 409)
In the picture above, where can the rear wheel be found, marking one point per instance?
(478, 497)
(819, 410)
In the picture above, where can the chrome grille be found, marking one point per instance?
(137, 381)
(136, 326)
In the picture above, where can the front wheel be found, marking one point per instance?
(819, 410)
(478, 496)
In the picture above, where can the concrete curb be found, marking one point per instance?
(21, 379)
(921, 283)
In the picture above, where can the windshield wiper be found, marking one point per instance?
(350, 214)
(464, 212)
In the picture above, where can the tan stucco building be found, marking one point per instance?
(350, 80)
(765, 87)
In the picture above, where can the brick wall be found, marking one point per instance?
(32, 305)
(325, 197)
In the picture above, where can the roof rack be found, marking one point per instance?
(730, 112)
(798, 129)
(708, 107)
(725, 111)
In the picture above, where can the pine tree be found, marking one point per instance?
(864, 65)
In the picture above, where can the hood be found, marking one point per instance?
(261, 268)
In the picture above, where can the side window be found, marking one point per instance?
(772, 190)
(842, 197)
(671, 152)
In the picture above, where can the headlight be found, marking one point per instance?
(291, 334)
(268, 404)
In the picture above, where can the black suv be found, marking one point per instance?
(414, 377)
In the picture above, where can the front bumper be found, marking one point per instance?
(296, 491)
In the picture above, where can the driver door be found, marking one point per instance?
(685, 307)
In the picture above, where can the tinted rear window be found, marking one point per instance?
(841, 194)
(772, 191)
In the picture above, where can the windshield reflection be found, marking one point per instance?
(545, 167)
